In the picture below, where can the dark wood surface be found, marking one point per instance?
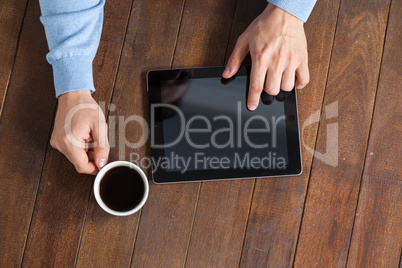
(24, 136)
(330, 206)
(348, 215)
(378, 217)
(11, 16)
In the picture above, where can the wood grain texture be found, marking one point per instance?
(220, 223)
(165, 226)
(384, 149)
(150, 40)
(277, 203)
(204, 33)
(377, 233)
(333, 190)
(24, 131)
(11, 16)
(63, 195)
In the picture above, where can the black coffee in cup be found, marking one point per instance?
(121, 188)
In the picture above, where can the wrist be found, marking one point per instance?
(75, 96)
(278, 12)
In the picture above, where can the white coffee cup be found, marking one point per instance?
(99, 178)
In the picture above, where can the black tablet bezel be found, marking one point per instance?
(294, 166)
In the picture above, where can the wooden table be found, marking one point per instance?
(329, 216)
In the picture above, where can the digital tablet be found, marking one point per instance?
(201, 129)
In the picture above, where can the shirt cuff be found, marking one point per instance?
(300, 8)
(73, 73)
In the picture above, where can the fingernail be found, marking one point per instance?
(227, 71)
(102, 162)
(252, 107)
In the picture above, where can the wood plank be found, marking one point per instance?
(333, 191)
(24, 131)
(377, 233)
(204, 33)
(165, 226)
(225, 204)
(220, 224)
(63, 195)
(166, 222)
(150, 41)
(11, 17)
(277, 203)
(383, 153)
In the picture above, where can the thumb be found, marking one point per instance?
(239, 53)
(101, 144)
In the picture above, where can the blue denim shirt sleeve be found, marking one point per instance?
(298, 8)
(73, 29)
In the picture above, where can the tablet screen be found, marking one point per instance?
(220, 128)
(200, 124)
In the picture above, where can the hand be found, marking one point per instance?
(278, 49)
(80, 131)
